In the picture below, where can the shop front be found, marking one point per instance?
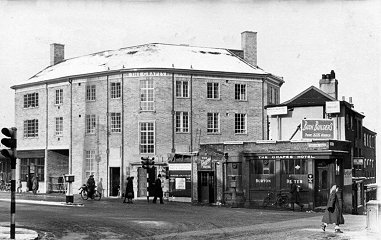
(258, 168)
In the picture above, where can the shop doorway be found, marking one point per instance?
(206, 187)
(114, 181)
(325, 176)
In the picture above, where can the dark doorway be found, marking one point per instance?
(206, 187)
(325, 177)
(114, 181)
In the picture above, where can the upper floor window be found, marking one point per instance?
(90, 163)
(213, 125)
(147, 137)
(31, 128)
(90, 124)
(273, 95)
(147, 95)
(59, 96)
(213, 91)
(182, 89)
(116, 122)
(115, 90)
(59, 126)
(31, 100)
(90, 92)
(240, 92)
(182, 122)
(240, 123)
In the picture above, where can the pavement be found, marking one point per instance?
(354, 227)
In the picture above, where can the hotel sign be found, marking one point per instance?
(332, 107)
(317, 129)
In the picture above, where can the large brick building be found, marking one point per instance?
(100, 113)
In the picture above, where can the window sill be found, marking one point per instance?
(213, 133)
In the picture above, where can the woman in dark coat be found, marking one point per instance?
(295, 197)
(334, 212)
(129, 194)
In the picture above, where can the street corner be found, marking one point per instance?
(20, 233)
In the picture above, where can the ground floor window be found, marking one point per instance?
(90, 163)
(32, 166)
(262, 174)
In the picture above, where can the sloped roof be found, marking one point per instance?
(149, 56)
(312, 96)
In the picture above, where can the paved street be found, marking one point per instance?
(111, 219)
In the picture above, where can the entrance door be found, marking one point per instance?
(114, 181)
(325, 174)
(206, 187)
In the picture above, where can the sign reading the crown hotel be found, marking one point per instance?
(317, 129)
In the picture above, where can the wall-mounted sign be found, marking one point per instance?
(317, 128)
(310, 178)
(206, 162)
(332, 107)
(272, 111)
(347, 177)
(180, 183)
(358, 161)
(179, 166)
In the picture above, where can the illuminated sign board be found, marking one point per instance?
(317, 129)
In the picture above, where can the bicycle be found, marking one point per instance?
(84, 193)
(281, 199)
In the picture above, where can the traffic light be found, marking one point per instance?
(10, 142)
(147, 162)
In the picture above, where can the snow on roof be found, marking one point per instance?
(149, 56)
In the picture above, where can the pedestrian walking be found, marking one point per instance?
(158, 192)
(100, 186)
(19, 186)
(129, 194)
(295, 196)
(34, 184)
(334, 212)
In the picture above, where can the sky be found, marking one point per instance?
(297, 40)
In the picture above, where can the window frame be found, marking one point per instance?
(238, 92)
(213, 90)
(90, 124)
(31, 100)
(59, 126)
(30, 128)
(89, 163)
(182, 88)
(91, 93)
(115, 90)
(237, 125)
(182, 122)
(147, 94)
(115, 122)
(148, 135)
(59, 96)
(211, 127)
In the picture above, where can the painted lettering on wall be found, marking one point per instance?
(317, 129)
(262, 180)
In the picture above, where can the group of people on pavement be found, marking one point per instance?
(158, 190)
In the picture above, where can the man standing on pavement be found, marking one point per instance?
(295, 197)
(158, 190)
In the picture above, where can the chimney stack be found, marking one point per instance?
(57, 53)
(329, 84)
(249, 47)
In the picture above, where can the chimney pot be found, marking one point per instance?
(249, 47)
(343, 98)
(350, 100)
(57, 53)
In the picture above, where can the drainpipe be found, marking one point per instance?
(191, 112)
(46, 137)
(263, 109)
(173, 112)
(107, 139)
(122, 148)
